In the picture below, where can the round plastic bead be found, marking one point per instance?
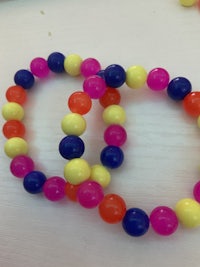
(188, 3)
(114, 114)
(196, 191)
(77, 171)
(114, 75)
(72, 64)
(24, 78)
(15, 146)
(13, 128)
(33, 182)
(112, 157)
(135, 222)
(21, 165)
(54, 188)
(16, 94)
(188, 212)
(178, 88)
(12, 111)
(89, 67)
(73, 124)
(101, 74)
(80, 102)
(90, 194)
(94, 86)
(115, 135)
(110, 97)
(191, 104)
(158, 79)
(100, 175)
(71, 147)
(198, 121)
(55, 62)
(112, 208)
(71, 191)
(136, 77)
(164, 220)
(39, 67)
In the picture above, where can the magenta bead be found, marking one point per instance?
(90, 194)
(164, 220)
(39, 67)
(94, 86)
(21, 165)
(54, 188)
(158, 79)
(196, 191)
(115, 135)
(89, 67)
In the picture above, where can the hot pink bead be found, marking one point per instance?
(158, 79)
(90, 194)
(196, 191)
(89, 67)
(115, 135)
(54, 188)
(21, 165)
(94, 86)
(164, 220)
(39, 67)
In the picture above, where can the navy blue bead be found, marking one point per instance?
(24, 78)
(101, 74)
(56, 62)
(71, 147)
(112, 157)
(34, 181)
(115, 75)
(135, 222)
(178, 88)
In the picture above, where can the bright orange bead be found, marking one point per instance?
(80, 102)
(16, 94)
(71, 191)
(13, 128)
(111, 97)
(191, 104)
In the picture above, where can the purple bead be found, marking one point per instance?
(39, 67)
(158, 79)
(115, 135)
(196, 191)
(94, 86)
(21, 165)
(89, 67)
(54, 188)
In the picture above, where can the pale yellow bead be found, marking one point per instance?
(12, 111)
(73, 123)
(72, 64)
(15, 146)
(114, 114)
(136, 77)
(198, 121)
(188, 3)
(100, 175)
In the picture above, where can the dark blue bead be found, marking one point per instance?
(178, 88)
(112, 157)
(115, 75)
(24, 78)
(34, 181)
(56, 62)
(101, 74)
(71, 147)
(135, 222)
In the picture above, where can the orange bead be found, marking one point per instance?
(13, 128)
(71, 191)
(111, 97)
(191, 104)
(16, 94)
(80, 102)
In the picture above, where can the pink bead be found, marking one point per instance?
(196, 191)
(158, 79)
(115, 135)
(164, 220)
(21, 165)
(54, 188)
(89, 67)
(90, 194)
(39, 67)
(94, 86)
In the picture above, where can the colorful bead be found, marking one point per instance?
(15, 146)
(13, 111)
(100, 175)
(178, 88)
(114, 75)
(72, 64)
(136, 77)
(80, 102)
(24, 78)
(94, 86)
(13, 128)
(16, 94)
(54, 188)
(198, 121)
(187, 3)
(34, 181)
(114, 114)
(71, 191)
(55, 62)
(112, 157)
(71, 147)
(21, 165)
(191, 104)
(89, 67)
(73, 124)
(39, 67)
(115, 135)
(196, 191)
(110, 97)
(158, 79)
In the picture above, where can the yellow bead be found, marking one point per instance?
(77, 171)
(188, 212)
(136, 77)
(188, 3)
(72, 64)
(101, 175)
(114, 114)
(73, 123)
(198, 121)
(12, 111)
(15, 146)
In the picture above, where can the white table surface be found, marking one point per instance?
(162, 155)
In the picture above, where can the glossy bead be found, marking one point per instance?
(34, 182)
(12, 111)
(191, 104)
(89, 67)
(114, 75)
(71, 191)
(136, 77)
(21, 165)
(71, 147)
(178, 88)
(135, 222)
(55, 62)
(15, 146)
(13, 128)
(101, 74)
(114, 114)
(164, 220)
(90, 194)
(16, 94)
(54, 188)
(110, 97)
(187, 3)
(77, 171)
(196, 191)
(158, 79)
(94, 86)
(80, 102)
(115, 135)
(72, 64)
(73, 124)
(39, 67)
(24, 78)
(112, 157)
(198, 121)
(188, 212)
(100, 175)
(112, 208)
